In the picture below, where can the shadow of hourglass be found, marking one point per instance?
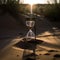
(29, 48)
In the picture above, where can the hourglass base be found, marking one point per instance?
(33, 41)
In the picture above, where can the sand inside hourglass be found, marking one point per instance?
(30, 35)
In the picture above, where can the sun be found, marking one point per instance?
(30, 1)
(35, 1)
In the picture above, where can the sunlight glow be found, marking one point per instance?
(35, 1)
(31, 2)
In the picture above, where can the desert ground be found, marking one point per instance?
(46, 32)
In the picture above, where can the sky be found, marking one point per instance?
(38, 1)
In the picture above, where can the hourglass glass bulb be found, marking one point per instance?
(30, 35)
(30, 24)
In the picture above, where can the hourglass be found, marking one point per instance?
(30, 34)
